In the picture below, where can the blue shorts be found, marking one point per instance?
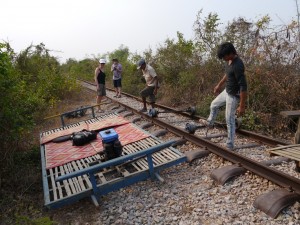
(117, 83)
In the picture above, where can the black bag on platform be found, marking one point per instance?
(83, 137)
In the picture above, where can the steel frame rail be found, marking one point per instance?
(277, 177)
(252, 135)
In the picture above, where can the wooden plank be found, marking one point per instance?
(142, 162)
(283, 147)
(291, 114)
(83, 163)
(292, 150)
(169, 154)
(167, 151)
(156, 158)
(130, 149)
(86, 178)
(58, 184)
(80, 177)
(287, 152)
(53, 184)
(66, 184)
(88, 160)
(291, 157)
(136, 166)
(75, 179)
(122, 171)
(70, 182)
(101, 177)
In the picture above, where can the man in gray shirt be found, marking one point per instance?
(116, 68)
(235, 94)
(152, 84)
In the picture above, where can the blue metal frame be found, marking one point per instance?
(117, 161)
(98, 190)
(101, 189)
(76, 110)
(44, 175)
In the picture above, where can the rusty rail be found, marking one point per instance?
(277, 177)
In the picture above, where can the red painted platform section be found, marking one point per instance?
(97, 125)
(60, 153)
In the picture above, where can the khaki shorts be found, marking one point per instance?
(148, 92)
(101, 91)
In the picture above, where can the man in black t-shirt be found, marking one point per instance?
(100, 83)
(234, 95)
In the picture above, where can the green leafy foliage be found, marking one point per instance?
(32, 82)
(24, 220)
(251, 121)
(83, 69)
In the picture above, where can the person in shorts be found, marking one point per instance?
(116, 68)
(100, 82)
(151, 84)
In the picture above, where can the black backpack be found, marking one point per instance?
(83, 137)
(78, 112)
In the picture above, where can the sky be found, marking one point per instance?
(80, 29)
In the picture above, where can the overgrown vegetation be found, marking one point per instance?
(32, 82)
(189, 69)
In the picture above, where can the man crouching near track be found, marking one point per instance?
(100, 82)
(151, 81)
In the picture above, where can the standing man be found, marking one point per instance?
(233, 96)
(100, 82)
(116, 68)
(151, 84)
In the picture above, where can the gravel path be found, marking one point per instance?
(188, 196)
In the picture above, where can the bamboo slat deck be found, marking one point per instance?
(289, 151)
(70, 190)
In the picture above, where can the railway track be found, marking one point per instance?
(250, 154)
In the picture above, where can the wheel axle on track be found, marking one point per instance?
(154, 112)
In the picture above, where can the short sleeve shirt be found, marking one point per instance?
(236, 79)
(117, 74)
(149, 74)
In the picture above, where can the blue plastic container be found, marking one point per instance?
(109, 135)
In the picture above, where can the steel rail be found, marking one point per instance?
(277, 177)
(260, 138)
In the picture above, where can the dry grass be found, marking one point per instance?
(21, 194)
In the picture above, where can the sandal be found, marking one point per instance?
(205, 123)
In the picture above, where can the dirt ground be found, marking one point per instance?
(21, 195)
